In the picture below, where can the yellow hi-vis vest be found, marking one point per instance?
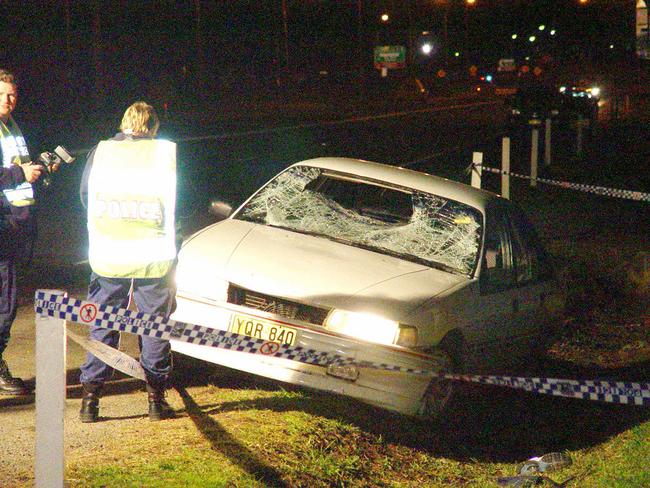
(131, 200)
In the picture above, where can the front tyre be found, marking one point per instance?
(439, 392)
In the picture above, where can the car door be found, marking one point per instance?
(533, 279)
(496, 305)
(515, 281)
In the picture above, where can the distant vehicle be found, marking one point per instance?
(381, 264)
(533, 103)
(580, 101)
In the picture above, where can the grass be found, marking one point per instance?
(260, 435)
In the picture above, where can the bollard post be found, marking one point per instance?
(477, 159)
(49, 465)
(547, 143)
(534, 145)
(579, 126)
(505, 167)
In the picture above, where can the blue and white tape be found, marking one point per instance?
(598, 190)
(120, 319)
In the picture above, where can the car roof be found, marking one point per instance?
(407, 178)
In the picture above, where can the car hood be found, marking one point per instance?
(314, 270)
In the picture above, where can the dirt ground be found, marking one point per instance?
(123, 407)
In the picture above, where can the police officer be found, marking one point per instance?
(17, 224)
(129, 189)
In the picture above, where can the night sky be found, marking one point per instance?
(78, 57)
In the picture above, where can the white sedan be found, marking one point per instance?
(397, 271)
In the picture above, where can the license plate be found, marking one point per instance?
(262, 329)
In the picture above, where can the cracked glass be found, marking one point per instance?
(374, 215)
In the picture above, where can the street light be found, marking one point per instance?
(384, 18)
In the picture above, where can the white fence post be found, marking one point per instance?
(547, 143)
(579, 127)
(49, 465)
(534, 144)
(505, 167)
(477, 159)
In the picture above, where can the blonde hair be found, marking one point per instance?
(7, 77)
(140, 118)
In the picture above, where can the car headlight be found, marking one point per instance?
(371, 328)
(595, 91)
(196, 282)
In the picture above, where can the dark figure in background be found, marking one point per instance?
(17, 223)
(129, 189)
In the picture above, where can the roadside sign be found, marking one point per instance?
(506, 64)
(390, 57)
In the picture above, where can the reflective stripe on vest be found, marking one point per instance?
(131, 200)
(14, 152)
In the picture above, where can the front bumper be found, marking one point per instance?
(392, 390)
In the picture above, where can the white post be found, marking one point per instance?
(477, 159)
(505, 167)
(49, 465)
(534, 143)
(547, 143)
(579, 126)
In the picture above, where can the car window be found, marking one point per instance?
(497, 264)
(512, 253)
(375, 215)
(525, 265)
(531, 261)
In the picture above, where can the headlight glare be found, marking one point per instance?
(197, 282)
(363, 326)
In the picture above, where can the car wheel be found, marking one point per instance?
(447, 358)
(440, 391)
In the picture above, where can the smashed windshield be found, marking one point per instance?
(414, 225)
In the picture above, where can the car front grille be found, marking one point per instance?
(279, 306)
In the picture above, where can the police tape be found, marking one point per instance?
(115, 358)
(598, 190)
(120, 319)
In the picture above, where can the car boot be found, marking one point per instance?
(8, 384)
(89, 412)
(159, 409)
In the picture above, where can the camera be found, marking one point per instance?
(52, 160)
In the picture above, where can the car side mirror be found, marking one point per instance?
(219, 210)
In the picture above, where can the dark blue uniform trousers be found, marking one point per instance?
(155, 296)
(8, 300)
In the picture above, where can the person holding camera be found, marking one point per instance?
(129, 189)
(17, 223)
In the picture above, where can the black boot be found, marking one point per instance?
(10, 385)
(159, 409)
(90, 403)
